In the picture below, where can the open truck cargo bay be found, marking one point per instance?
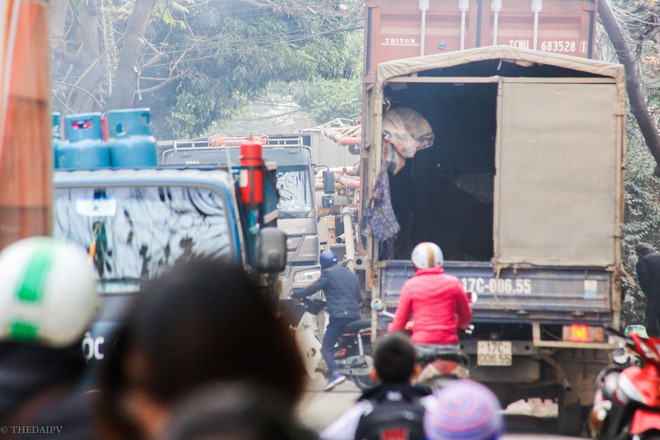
(522, 188)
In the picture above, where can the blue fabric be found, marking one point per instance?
(330, 338)
(379, 212)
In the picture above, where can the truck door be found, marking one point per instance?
(558, 171)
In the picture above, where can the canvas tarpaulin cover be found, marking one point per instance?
(558, 184)
(405, 132)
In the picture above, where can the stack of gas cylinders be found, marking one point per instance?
(121, 139)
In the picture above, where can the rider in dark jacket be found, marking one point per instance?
(648, 274)
(342, 293)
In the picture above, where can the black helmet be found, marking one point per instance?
(328, 259)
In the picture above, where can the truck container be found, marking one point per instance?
(397, 29)
(522, 188)
(296, 207)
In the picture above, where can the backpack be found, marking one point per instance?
(393, 414)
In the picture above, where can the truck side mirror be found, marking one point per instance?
(271, 250)
(328, 182)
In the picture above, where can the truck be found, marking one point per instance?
(522, 188)
(396, 29)
(136, 223)
(294, 178)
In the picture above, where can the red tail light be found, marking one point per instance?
(578, 333)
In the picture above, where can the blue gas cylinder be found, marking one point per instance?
(56, 136)
(132, 144)
(84, 147)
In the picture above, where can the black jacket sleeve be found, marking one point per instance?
(644, 277)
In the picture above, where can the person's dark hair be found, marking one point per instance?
(233, 411)
(394, 358)
(204, 320)
(207, 320)
(111, 417)
(643, 248)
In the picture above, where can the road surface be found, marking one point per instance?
(318, 409)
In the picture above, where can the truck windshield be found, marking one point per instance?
(295, 191)
(135, 232)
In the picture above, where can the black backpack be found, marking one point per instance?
(395, 413)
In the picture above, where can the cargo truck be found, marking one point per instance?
(294, 178)
(396, 29)
(522, 188)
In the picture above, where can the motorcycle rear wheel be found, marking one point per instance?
(363, 382)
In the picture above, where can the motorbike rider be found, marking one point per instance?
(342, 293)
(435, 301)
(48, 296)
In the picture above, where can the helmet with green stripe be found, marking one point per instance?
(47, 292)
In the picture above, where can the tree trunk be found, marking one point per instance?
(58, 10)
(633, 82)
(87, 60)
(126, 76)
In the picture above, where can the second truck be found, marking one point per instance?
(488, 129)
(294, 182)
(522, 188)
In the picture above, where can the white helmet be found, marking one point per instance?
(47, 292)
(427, 254)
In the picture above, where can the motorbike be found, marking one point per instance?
(353, 351)
(627, 399)
(439, 363)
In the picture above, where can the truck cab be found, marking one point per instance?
(295, 184)
(136, 223)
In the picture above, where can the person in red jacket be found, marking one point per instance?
(435, 301)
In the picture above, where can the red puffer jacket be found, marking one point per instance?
(438, 305)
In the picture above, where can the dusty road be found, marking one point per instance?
(524, 421)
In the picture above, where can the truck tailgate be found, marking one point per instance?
(539, 294)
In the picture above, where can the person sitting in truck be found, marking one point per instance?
(342, 292)
(433, 300)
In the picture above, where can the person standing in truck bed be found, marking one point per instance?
(648, 274)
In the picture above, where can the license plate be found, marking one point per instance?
(494, 353)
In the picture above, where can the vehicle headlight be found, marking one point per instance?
(305, 278)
